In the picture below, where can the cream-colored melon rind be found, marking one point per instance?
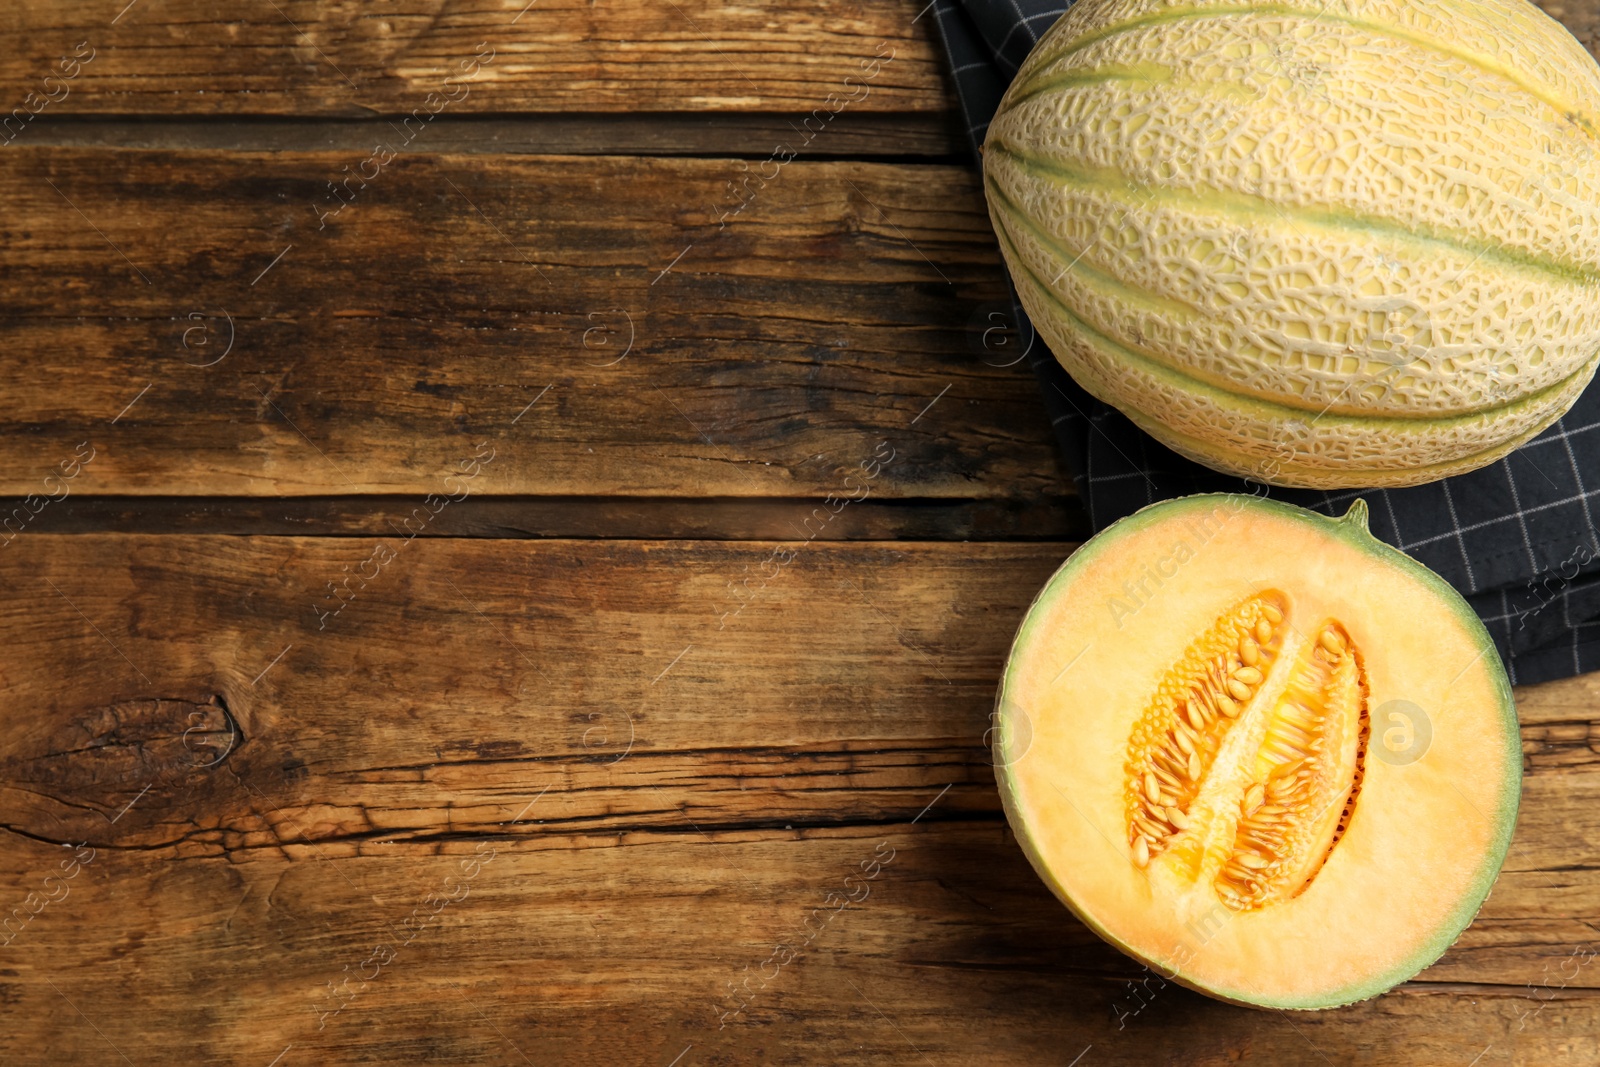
(1257, 437)
(1231, 220)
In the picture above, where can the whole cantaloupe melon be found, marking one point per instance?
(1353, 243)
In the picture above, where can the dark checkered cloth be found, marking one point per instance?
(1518, 538)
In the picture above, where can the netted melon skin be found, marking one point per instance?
(1327, 246)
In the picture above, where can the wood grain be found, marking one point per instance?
(531, 800)
(547, 655)
(623, 948)
(668, 792)
(462, 299)
(343, 58)
(363, 57)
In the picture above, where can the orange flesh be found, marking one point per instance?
(1238, 824)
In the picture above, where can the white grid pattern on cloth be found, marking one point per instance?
(1577, 475)
(1025, 22)
(1455, 523)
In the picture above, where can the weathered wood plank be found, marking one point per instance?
(184, 706)
(458, 300)
(645, 948)
(553, 660)
(299, 57)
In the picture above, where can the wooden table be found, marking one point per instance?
(514, 506)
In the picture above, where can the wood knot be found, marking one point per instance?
(160, 739)
(94, 762)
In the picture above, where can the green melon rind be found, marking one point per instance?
(1352, 529)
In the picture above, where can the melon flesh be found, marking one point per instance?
(1323, 244)
(1198, 748)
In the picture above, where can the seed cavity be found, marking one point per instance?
(1196, 705)
(1289, 794)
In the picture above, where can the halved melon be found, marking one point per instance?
(1260, 750)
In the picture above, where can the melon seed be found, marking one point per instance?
(1248, 675)
(1238, 689)
(1272, 613)
(1177, 818)
(1330, 641)
(1195, 718)
(1227, 707)
(1152, 788)
(1249, 651)
(1251, 860)
(1141, 852)
(1254, 797)
(1263, 631)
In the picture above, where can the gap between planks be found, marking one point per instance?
(908, 137)
(575, 517)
